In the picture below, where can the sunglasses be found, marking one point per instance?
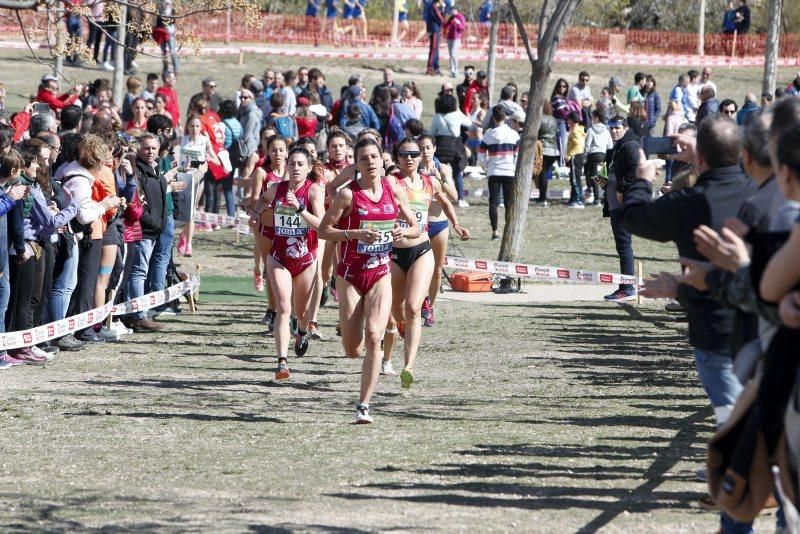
(615, 125)
(729, 111)
(584, 79)
(244, 97)
(413, 154)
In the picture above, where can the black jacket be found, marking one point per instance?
(153, 190)
(623, 160)
(718, 195)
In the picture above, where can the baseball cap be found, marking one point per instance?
(481, 74)
(49, 78)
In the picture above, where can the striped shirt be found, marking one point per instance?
(497, 152)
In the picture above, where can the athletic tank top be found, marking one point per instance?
(419, 200)
(270, 177)
(293, 237)
(366, 214)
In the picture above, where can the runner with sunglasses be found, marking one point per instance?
(363, 216)
(412, 262)
(296, 205)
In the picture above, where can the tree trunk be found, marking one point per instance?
(119, 59)
(395, 20)
(772, 50)
(551, 28)
(701, 30)
(491, 67)
(58, 63)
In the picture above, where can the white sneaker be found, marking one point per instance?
(121, 329)
(362, 414)
(107, 335)
(463, 203)
(388, 369)
(41, 353)
(501, 205)
(134, 64)
(107, 66)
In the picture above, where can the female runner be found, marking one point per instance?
(363, 216)
(438, 229)
(337, 160)
(296, 205)
(251, 187)
(412, 265)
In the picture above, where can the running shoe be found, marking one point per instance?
(301, 345)
(387, 369)
(258, 281)
(39, 353)
(673, 306)
(401, 329)
(266, 318)
(6, 358)
(406, 378)
(4, 364)
(70, 343)
(283, 370)
(429, 321)
(313, 331)
(89, 336)
(621, 295)
(463, 203)
(293, 326)
(25, 355)
(108, 335)
(426, 307)
(120, 328)
(362, 414)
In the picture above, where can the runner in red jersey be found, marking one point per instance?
(297, 205)
(363, 216)
(252, 187)
(273, 172)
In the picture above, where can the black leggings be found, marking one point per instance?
(24, 284)
(548, 162)
(89, 252)
(498, 184)
(591, 170)
(41, 303)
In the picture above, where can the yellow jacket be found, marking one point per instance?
(576, 141)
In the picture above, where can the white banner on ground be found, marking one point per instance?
(539, 272)
(46, 332)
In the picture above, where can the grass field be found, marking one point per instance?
(527, 416)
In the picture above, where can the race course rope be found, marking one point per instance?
(539, 272)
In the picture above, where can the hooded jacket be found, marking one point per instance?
(77, 186)
(598, 139)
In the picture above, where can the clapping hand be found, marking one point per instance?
(660, 286)
(694, 273)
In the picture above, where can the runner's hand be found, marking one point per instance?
(462, 232)
(291, 200)
(790, 309)
(370, 236)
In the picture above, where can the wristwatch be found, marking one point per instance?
(300, 209)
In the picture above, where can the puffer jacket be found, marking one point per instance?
(548, 129)
(131, 216)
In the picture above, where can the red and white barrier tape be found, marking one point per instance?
(69, 325)
(539, 272)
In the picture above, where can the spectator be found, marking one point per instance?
(447, 127)
(709, 106)
(305, 119)
(453, 29)
(705, 80)
(581, 90)
(250, 118)
(479, 85)
(615, 89)
(598, 143)
(750, 106)
(766, 100)
(672, 123)
(728, 108)
(433, 25)
(793, 89)
(170, 98)
(741, 18)
(151, 87)
(498, 155)
(548, 132)
(412, 98)
(153, 188)
(367, 115)
(681, 93)
(622, 161)
(576, 146)
(48, 93)
(515, 115)
(728, 19)
(209, 91)
(652, 103)
(636, 91)
(720, 190)
(461, 89)
(316, 83)
(233, 131)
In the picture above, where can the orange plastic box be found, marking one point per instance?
(471, 282)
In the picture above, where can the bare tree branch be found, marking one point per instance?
(542, 23)
(173, 16)
(523, 33)
(30, 47)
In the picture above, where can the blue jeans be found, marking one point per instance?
(63, 287)
(575, 171)
(162, 252)
(729, 525)
(230, 201)
(715, 370)
(459, 180)
(143, 251)
(5, 294)
(624, 243)
(562, 138)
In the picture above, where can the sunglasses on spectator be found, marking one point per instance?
(729, 111)
(584, 79)
(245, 97)
(615, 125)
(413, 154)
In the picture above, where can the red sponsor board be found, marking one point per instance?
(606, 278)
(27, 337)
(153, 299)
(563, 273)
(71, 323)
(521, 269)
(51, 331)
(479, 264)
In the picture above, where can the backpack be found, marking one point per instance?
(238, 152)
(395, 132)
(285, 126)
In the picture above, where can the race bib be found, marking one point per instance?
(420, 210)
(384, 244)
(288, 223)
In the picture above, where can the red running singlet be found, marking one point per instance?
(295, 244)
(363, 264)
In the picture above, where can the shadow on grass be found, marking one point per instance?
(237, 417)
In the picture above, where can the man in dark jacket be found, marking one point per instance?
(153, 190)
(710, 104)
(720, 191)
(622, 161)
(433, 24)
